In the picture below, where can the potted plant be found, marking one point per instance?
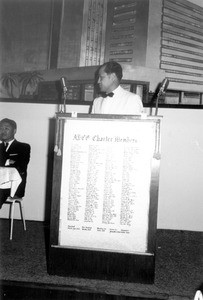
(9, 81)
(29, 79)
(21, 81)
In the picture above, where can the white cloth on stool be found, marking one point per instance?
(9, 179)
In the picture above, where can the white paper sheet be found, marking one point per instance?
(105, 190)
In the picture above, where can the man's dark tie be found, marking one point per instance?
(5, 146)
(108, 95)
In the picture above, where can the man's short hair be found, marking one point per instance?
(113, 67)
(11, 122)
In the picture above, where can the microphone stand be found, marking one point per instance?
(62, 107)
(157, 102)
(162, 91)
(64, 97)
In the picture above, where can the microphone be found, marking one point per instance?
(63, 84)
(162, 90)
(163, 86)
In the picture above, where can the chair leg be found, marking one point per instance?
(22, 214)
(12, 207)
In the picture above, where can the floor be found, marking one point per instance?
(23, 269)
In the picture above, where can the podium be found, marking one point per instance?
(105, 197)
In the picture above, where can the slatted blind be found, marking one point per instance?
(182, 43)
(126, 36)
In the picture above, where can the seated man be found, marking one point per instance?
(13, 154)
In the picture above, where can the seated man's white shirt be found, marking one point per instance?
(7, 163)
(122, 103)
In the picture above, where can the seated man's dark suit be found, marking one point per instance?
(20, 153)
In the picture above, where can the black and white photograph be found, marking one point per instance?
(101, 149)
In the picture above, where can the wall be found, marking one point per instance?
(35, 126)
(154, 36)
(181, 175)
(25, 35)
(70, 36)
(181, 171)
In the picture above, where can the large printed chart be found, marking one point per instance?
(105, 187)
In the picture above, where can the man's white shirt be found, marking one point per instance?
(123, 102)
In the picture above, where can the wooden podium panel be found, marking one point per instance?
(104, 200)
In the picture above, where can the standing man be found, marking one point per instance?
(13, 154)
(114, 99)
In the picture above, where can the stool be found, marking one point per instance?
(12, 201)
